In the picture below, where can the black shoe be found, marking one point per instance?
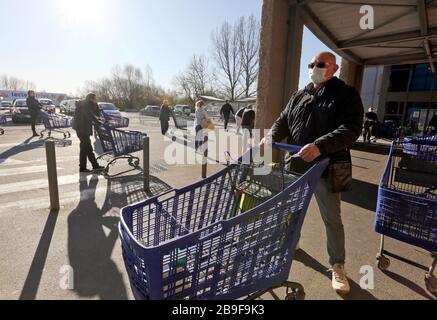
(35, 135)
(85, 171)
(98, 168)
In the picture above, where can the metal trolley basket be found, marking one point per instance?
(197, 243)
(407, 202)
(55, 123)
(116, 122)
(3, 120)
(118, 144)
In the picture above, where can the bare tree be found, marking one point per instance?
(13, 83)
(128, 84)
(227, 55)
(128, 87)
(248, 39)
(194, 81)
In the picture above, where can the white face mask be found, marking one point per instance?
(318, 75)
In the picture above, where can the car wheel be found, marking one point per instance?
(14, 120)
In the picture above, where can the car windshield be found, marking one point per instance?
(5, 103)
(108, 107)
(20, 103)
(46, 102)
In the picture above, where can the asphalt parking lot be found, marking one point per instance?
(36, 244)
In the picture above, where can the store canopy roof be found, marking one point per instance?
(405, 31)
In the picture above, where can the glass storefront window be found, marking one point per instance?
(399, 78)
(422, 78)
(418, 118)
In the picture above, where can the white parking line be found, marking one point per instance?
(43, 202)
(14, 162)
(66, 198)
(23, 170)
(40, 184)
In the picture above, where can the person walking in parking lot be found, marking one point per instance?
(34, 108)
(248, 120)
(326, 118)
(87, 113)
(226, 112)
(164, 117)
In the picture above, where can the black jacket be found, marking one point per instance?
(248, 118)
(226, 110)
(33, 105)
(240, 112)
(164, 114)
(85, 116)
(331, 118)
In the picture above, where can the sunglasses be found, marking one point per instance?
(320, 65)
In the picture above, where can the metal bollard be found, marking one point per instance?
(52, 175)
(146, 163)
(205, 158)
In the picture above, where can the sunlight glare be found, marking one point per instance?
(82, 13)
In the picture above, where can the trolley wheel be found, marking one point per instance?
(295, 295)
(383, 262)
(131, 162)
(173, 138)
(431, 283)
(2, 132)
(135, 163)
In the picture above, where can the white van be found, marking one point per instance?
(69, 106)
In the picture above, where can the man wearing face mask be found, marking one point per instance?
(326, 118)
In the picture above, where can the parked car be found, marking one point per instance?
(20, 112)
(48, 105)
(68, 106)
(109, 109)
(182, 109)
(151, 111)
(6, 105)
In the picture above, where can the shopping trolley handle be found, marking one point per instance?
(287, 147)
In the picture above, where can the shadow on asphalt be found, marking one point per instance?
(356, 292)
(93, 233)
(31, 285)
(363, 195)
(27, 145)
(381, 149)
(409, 284)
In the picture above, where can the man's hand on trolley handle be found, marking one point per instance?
(309, 153)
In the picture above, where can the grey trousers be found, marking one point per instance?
(330, 209)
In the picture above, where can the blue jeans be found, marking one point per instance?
(330, 209)
(199, 137)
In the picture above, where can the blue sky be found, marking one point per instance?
(59, 44)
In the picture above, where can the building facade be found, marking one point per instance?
(405, 95)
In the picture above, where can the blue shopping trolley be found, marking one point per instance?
(198, 243)
(407, 202)
(118, 144)
(117, 122)
(3, 121)
(54, 122)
